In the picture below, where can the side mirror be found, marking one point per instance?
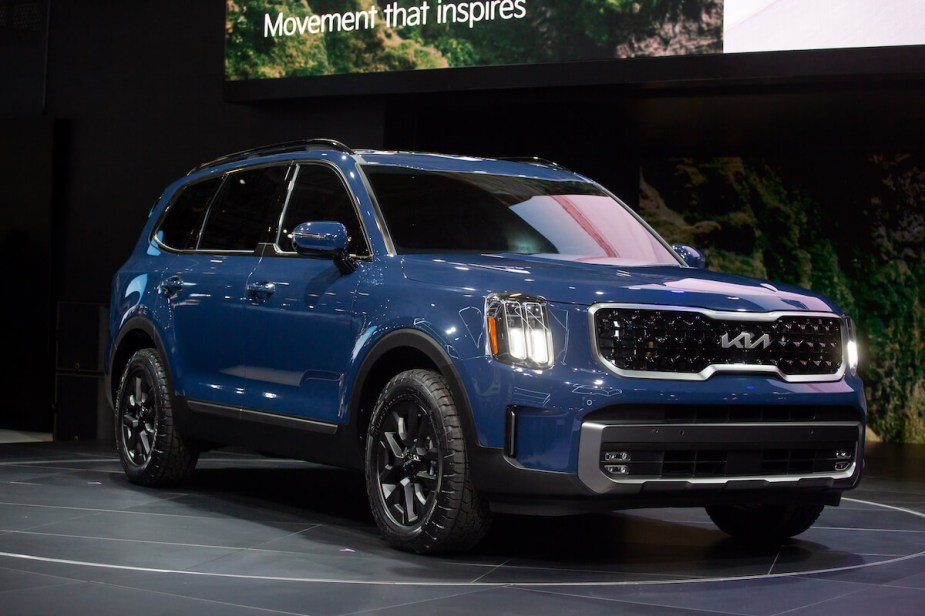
(691, 256)
(320, 238)
(324, 239)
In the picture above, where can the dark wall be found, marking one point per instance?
(608, 131)
(25, 250)
(138, 86)
(23, 25)
(133, 99)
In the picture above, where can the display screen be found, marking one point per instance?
(284, 39)
(789, 25)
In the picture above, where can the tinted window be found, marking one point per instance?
(319, 194)
(180, 229)
(245, 210)
(430, 211)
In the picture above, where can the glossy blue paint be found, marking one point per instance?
(320, 238)
(299, 338)
(287, 334)
(691, 256)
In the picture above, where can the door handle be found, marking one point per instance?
(171, 285)
(261, 290)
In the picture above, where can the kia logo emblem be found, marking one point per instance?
(745, 340)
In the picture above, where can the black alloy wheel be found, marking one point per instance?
(408, 463)
(152, 450)
(417, 471)
(139, 426)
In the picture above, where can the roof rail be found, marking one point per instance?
(533, 160)
(286, 147)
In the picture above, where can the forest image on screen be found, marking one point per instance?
(268, 39)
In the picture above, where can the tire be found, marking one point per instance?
(417, 473)
(152, 451)
(764, 524)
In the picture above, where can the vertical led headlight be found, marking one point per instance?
(851, 347)
(518, 330)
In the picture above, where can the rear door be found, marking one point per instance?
(204, 284)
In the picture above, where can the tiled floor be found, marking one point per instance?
(255, 536)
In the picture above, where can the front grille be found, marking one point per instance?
(687, 342)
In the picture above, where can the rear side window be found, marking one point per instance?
(246, 209)
(180, 229)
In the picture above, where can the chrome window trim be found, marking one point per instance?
(390, 249)
(197, 251)
(294, 165)
(226, 175)
(709, 371)
(221, 184)
(354, 200)
(173, 201)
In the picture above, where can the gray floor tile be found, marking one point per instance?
(753, 597)
(12, 579)
(102, 599)
(514, 601)
(244, 520)
(879, 600)
(118, 553)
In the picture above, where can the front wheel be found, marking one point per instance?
(764, 523)
(417, 473)
(153, 452)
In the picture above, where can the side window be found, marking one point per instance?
(245, 209)
(319, 194)
(180, 228)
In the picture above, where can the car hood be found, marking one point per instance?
(583, 283)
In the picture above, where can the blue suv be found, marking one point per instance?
(477, 336)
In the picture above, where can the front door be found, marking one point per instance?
(299, 312)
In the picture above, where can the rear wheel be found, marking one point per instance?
(153, 452)
(417, 474)
(764, 523)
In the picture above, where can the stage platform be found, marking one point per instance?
(251, 535)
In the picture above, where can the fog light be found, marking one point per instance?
(616, 456)
(617, 469)
(842, 454)
(842, 466)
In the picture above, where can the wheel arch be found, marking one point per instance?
(137, 333)
(396, 352)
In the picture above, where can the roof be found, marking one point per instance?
(524, 166)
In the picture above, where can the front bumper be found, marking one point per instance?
(511, 488)
(733, 436)
(733, 439)
(619, 458)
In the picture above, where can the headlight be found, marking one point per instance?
(851, 348)
(518, 330)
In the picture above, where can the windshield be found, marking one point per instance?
(440, 212)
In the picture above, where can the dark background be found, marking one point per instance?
(103, 103)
